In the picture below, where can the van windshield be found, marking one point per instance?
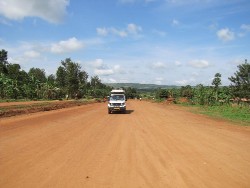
(117, 97)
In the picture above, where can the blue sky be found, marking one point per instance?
(172, 42)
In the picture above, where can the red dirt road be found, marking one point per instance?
(153, 145)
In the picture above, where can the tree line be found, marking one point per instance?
(70, 81)
(238, 90)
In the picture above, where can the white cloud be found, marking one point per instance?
(237, 61)
(103, 72)
(182, 82)
(26, 53)
(98, 63)
(160, 33)
(5, 22)
(178, 63)
(199, 64)
(241, 34)
(225, 35)
(32, 54)
(118, 69)
(131, 29)
(102, 69)
(159, 80)
(112, 80)
(175, 22)
(213, 26)
(102, 31)
(50, 10)
(120, 33)
(134, 29)
(14, 60)
(245, 27)
(195, 74)
(158, 65)
(69, 45)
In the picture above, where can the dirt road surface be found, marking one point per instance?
(153, 145)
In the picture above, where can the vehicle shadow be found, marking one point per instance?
(127, 112)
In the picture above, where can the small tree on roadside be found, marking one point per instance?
(241, 81)
(3, 61)
(187, 91)
(161, 93)
(199, 94)
(216, 83)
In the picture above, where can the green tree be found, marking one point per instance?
(131, 93)
(224, 95)
(51, 79)
(13, 71)
(95, 83)
(187, 91)
(38, 74)
(240, 85)
(83, 83)
(23, 79)
(33, 88)
(83, 77)
(19, 78)
(161, 93)
(200, 94)
(175, 92)
(70, 77)
(3, 61)
(61, 77)
(216, 83)
(8, 87)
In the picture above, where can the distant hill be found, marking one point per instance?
(143, 87)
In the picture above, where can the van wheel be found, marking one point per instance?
(109, 111)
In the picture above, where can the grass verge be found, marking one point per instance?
(236, 114)
(13, 110)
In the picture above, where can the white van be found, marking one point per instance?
(117, 101)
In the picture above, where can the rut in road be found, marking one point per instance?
(153, 145)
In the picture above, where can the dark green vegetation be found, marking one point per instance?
(238, 91)
(70, 81)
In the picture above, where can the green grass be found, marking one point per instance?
(159, 100)
(236, 114)
(13, 100)
(2, 109)
(228, 112)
